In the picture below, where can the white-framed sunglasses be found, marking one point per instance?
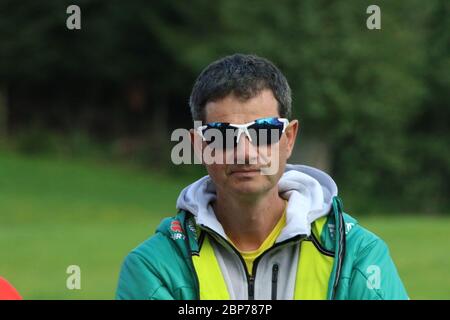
(264, 131)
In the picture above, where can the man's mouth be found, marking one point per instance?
(245, 172)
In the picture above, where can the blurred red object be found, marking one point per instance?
(7, 291)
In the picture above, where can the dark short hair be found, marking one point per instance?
(242, 75)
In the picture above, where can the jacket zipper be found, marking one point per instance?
(274, 281)
(251, 278)
(251, 288)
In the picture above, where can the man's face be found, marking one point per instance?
(245, 177)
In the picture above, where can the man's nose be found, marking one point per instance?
(245, 151)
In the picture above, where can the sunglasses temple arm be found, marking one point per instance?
(200, 133)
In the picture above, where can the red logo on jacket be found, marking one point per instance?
(175, 226)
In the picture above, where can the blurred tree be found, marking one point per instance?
(110, 79)
(429, 132)
(3, 114)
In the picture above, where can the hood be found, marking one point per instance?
(309, 192)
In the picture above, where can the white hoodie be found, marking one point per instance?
(309, 192)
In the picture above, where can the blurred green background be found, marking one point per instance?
(86, 117)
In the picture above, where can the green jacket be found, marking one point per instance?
(162, 268)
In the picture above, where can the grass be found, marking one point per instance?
(420, 248)
(55, 213)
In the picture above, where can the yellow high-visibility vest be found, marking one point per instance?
(311, 283)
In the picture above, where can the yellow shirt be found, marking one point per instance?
(250, 256)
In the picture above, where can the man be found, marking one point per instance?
(244, 233)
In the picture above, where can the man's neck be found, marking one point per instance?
(248, 222)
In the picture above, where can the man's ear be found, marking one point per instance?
(291, 135)
(197, 144)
